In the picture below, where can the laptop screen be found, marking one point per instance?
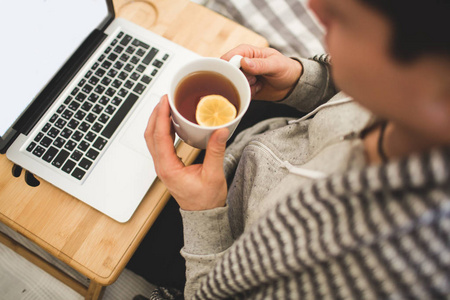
(41, 36)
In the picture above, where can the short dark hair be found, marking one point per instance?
(420, 27)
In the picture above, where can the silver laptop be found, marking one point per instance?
(78, 86)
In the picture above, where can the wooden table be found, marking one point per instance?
(88, 241)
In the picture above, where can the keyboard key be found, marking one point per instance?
(116, 83)
(83, 146)
(135, 76)
(67, 114)
(50, 154)
(31, 146)
(75, 91)
(76, 155)
(106, 81)
(60, 158)
(70, 145)
(53, 132)
(53, 118)
(61, 109)
(140, 68)
(85, 163)
(104, 118)
(39, 151)
(93, 97)
(68, 166)
(106, 64)
(59, 142)
(148, 58)
(110, 109)
(86, 106)
(157, 63)
(128, 68)
(139, 88)
(112, 73)
(90, 136)
(73, 124)
(134, 60)
(110, 92)
(80, 115)
(126, 40)
(123, 75)
(78, 173)
(77, 136)
(46, 141)
(46, 127)
(100, 72)
(97, 109)
(38, 137)
(66, 132)
(124, 57)
(99, 89)
(138, 43)
(119, 116)
(140, 52)
(130, 50)
(165, 57)
(80, 97)
(100, 143)
(87, 88)
(60, 123)
(118, 49)
(91, 117)
(92, 154)
(97, 127)
(145, 79)
(118, 65)
(104, 100)
(74, 105)
(116, 101)
(84, 126)
(122, 92)
(112, 57)
(68, 99)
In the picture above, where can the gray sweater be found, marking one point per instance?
(307, 218)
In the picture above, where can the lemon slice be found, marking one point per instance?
(214, 110)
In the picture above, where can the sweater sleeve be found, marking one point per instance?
(314, 87)
(207, 236)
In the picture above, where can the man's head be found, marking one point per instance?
(403, 77)
(419, 27)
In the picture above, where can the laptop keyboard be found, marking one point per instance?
(77, 133)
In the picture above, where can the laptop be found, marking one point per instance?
(78, 86)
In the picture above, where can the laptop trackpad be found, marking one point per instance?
(133, 136)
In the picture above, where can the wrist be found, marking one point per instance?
(297, 74)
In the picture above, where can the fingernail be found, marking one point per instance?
(249, 62)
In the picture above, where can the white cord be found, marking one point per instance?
(341, 101)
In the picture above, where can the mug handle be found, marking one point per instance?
(236, 61)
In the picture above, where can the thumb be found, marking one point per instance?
(215, 151)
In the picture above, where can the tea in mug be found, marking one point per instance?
(200, 84)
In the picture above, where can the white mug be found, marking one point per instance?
(192, 133)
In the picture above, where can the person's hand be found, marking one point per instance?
(194, 187)
(271, 74)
